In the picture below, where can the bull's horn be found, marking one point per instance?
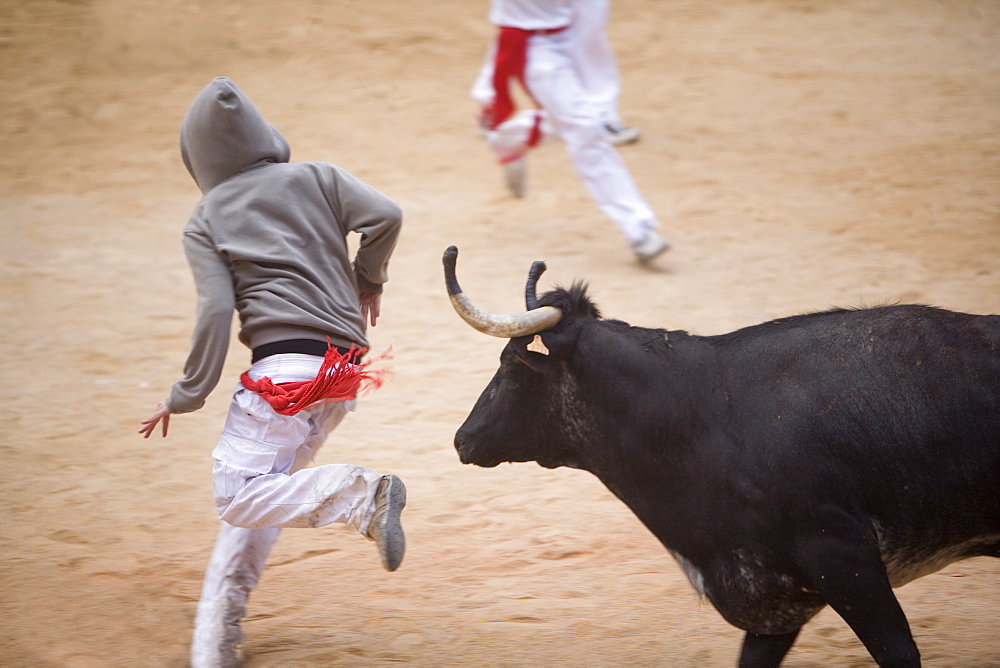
(505, 326)
(530, 296)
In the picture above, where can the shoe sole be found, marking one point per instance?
(622, 137)
(646, 259)
(389, 534)
(623, 141)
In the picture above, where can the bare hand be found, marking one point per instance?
(161, 413)
(371, 305)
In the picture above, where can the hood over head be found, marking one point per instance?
(224, 134)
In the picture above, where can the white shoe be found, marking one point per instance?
(619, 135)
(515, 173)
(652, 246)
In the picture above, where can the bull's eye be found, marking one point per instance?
(534, 367)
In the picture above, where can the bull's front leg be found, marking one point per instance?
(842, 562)
(763, 651)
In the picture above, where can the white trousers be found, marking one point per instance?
(262, 485)
(577, 117)
(592, 57)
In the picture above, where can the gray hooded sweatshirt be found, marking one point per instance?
(269, 239)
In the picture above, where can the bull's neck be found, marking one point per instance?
(659, 493)
(658, 408)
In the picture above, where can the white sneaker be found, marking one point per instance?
(652, 246)
(619, 135)
(515, 173)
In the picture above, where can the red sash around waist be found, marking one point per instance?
(338, 379)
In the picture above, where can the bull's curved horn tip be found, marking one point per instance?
(530, 298)
(449, 260)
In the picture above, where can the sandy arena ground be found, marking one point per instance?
(801, 155)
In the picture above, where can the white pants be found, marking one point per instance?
(592, 57)
(261, 486)
(578, 118)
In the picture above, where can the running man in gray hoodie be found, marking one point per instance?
(268, 240)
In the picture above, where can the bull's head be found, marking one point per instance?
(531, 410)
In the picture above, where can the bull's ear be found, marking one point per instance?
(541, 352)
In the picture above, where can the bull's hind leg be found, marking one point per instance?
(843, 564)
(760, 651)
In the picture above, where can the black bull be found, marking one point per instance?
(817, 460)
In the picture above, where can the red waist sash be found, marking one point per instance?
(338, 379)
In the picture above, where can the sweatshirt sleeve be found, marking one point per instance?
(376, 218)
(210, 341)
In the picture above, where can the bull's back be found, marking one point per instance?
(893, 413)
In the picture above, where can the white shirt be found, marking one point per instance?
(532, 14)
